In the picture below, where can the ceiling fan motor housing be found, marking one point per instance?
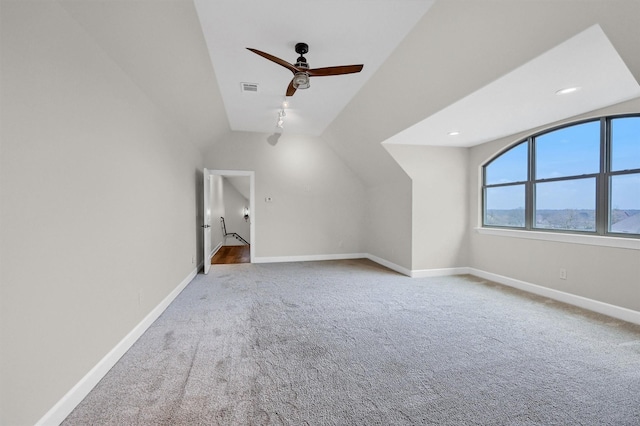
(302, 48)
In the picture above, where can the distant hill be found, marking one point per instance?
(569, 219)
(622, 221)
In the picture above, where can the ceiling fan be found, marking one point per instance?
(302, 72)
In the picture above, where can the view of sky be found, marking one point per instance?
(625, 143)
(571, 151)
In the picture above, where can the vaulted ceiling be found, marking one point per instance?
(337, 33)
(430, 67)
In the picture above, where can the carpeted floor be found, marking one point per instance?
(351, 343)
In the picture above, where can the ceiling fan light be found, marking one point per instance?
(301, 80)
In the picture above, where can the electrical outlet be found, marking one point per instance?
(563, 274)
(193, 259)
(268, 200)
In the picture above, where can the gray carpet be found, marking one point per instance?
(351, 343)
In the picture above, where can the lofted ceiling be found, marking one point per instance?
(430, 66)
(367, 32)
(338, 32)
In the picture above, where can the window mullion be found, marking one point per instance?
(529, 188)
(602, 181)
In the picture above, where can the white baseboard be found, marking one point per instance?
(373, 258)
(308, 258)
(386, 263)
(65, 406)
(442, 272)
(571, 299)
(343, 256)
(214, 251)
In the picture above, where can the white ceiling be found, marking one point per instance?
(466, 74)
(526, 97)
(338, 32)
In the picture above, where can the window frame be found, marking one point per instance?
(603, 182)
(514, 183)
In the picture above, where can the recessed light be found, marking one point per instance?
(567, 90)
(454, 133)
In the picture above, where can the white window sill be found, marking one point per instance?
(592, 240)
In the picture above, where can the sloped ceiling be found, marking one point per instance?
(338, 32)
(457, 48)
(159, 44)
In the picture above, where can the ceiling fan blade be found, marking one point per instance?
(344, 69)
(272, 58)
(291, 90)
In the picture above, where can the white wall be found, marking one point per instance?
(387, 233)
(318, 202)
(439, 204)
(99, 206)
(234, 203)
(605, 274)
(217, 210)
(458, 47)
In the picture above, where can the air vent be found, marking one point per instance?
(249, 87)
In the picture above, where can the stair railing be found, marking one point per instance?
(232, 234)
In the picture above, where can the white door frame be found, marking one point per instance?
(206, 225)
(252, 194)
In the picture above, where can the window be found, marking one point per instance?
(566, 204)
(581, 178)
(505, 194)
(571, 151)
(505, 206)
(624, 178)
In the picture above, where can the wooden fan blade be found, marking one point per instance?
(272, 58)
(344, 69)
(291, 90)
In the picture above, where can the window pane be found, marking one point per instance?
(504, 206)
(571, 151)
(511, 166)
(624, 216)
(625, 143)
(566, 204)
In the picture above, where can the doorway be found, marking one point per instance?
(229, 228)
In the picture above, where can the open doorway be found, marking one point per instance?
(229, 217)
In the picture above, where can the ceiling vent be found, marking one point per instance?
(249, 87)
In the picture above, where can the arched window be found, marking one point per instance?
(584, 177)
